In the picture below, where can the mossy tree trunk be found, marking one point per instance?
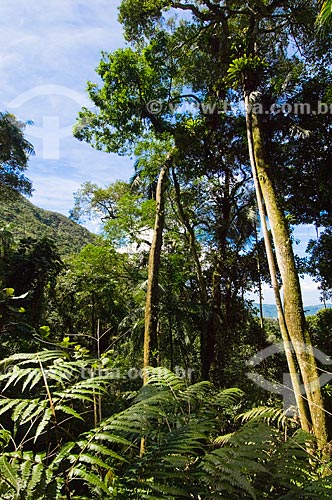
(300, 402)
(293, 307)
(152, 295)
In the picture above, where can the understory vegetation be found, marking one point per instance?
(75, 429)
(134, 363)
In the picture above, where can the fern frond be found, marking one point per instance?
(57, 369)
(36, 477)
(110, 438)
(168, 491)
(22, 359)
(228, 397)
(27, 475)
(6, 404)
(33, 378)
(26, 469)
(89, 477)
(267, 414)
(84, 389)
(60, 374)
(221, 440)
(316, 489)
(323, 20)
(14, 376)
(224, 473)
(196, 393)
(163, 377)
(36, 408)
(22, 405)
(88, 445)
(290, 462)
(43, 423)
(92, 460)
(102, 450)
(69, 411)
(8, 471)
(24, 410)
(62, 454)
(185, 440)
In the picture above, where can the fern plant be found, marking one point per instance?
(44, 394)
(176, 422)
(24, 476)
(53, 448)
(49, 385)
(261, 461)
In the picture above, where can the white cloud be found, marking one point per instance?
(48, 51)
(54, 193)
(55, 41)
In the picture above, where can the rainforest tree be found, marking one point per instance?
(14, 154)
(246, 48)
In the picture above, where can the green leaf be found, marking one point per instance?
(44, 331)
(7, 404)
(90, 478)
(69, 411)
(44, 422)
(8, 471)
(63, 452)
(36, 408)
(16, 415)
(34, 377)
(36, 476)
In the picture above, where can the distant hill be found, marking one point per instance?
(31, 221)
(270, 310)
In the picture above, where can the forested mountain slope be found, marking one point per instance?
(270, 310)
(27, 220)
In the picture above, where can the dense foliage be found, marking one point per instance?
(14, 155)
(56, 401)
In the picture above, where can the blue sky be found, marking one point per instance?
(49, 49)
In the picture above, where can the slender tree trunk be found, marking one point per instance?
(191, 239)
(260, 292)
(152, 296)
(150, 354)
(273, 273)
(206, 327)
(293, 307)
(171, 353)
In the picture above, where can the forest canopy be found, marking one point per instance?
(136, 366)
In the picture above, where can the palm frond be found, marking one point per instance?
(324, 18)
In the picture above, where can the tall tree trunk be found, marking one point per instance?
(260, 292)
(206, 343)
(293, 307)
(152, 295)
(191, 239)
(150, 354)
(301, 405)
